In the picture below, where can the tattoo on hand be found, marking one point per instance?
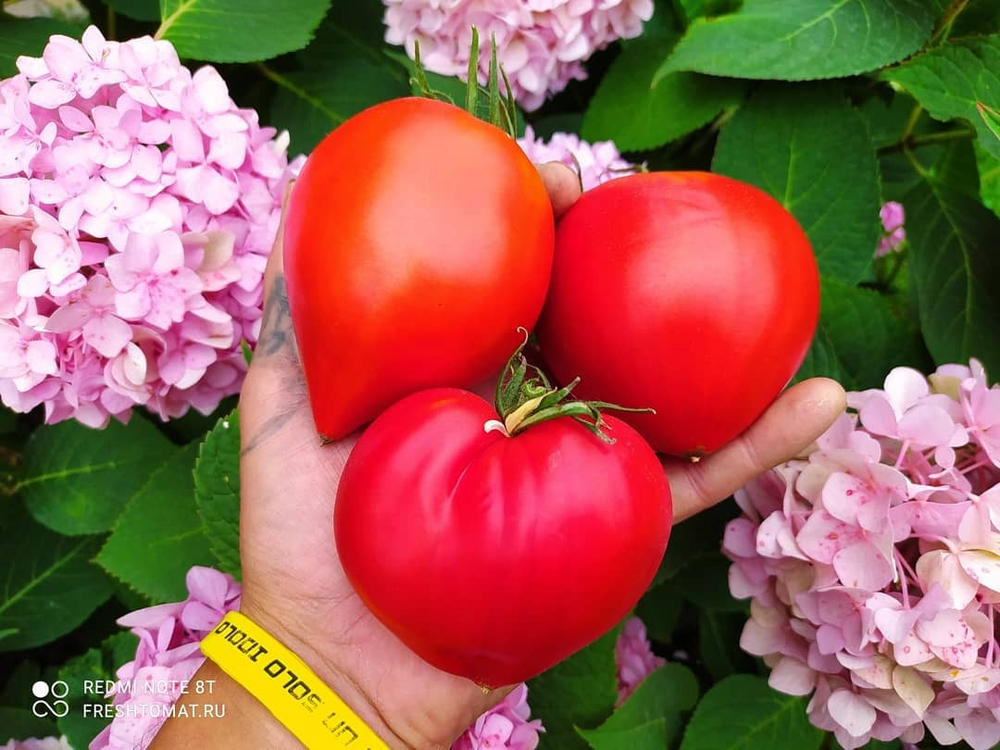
(278, 340)
(276, 335)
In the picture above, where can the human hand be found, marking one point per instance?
(294, 584)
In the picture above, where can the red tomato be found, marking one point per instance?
(687, 292)
(494, 557)
(417, 240)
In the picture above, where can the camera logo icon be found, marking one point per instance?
(50, 699)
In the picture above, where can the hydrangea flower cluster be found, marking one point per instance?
(596, 163)
(892, 216)
(873, 563)
(506, 725)
(168, 654)
(634, 657)
(138, 205)
(541, 44)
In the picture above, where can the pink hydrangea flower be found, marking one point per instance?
(892, 216)
(138, 205)
(46, 743)
(634, 657)
(873, 564)
(506, 725)
(169, 653)
(541, 44)
(595, 163)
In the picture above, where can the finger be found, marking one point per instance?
(276, 261)
(562, 184)
(799, 416)
(275, 343)
(274, 391)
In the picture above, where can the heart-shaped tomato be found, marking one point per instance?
(495, 557)
(690, 293)
(418, 239)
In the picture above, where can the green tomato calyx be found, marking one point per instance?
(502, 110)
(525, 397)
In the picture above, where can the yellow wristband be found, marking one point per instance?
(291, 691)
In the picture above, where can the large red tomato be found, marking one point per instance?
(418, 239)
(688, 292)
(495, 557)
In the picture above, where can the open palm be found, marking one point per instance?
(294, 584)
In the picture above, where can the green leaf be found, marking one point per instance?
(76, 480)
(718, 643)
(8, 420)
(650, 718)
(21, 724)
(131, 599)
(562, 122)
(898, 176)
(344, 71)
(990, 117)
(977, 18)
(19, 682)
(49, 584)
(705, 583)
(989, 179)
(782, 142)
(638, 116)
(160, 536)
(649, 734)
(140, 10)
(951, 80)
(362, 26)
(311, 103)
(578, 692)
(796, 40)
(95, 665)
(694, 539)
(27, 36)
(693, 9)
(954, 266)
(193, 425)
(660, 610)
(239, 30)
(217, 491)
(887, 117)
(861, 336)
(821, 361)
(743, 712)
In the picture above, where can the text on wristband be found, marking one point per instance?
(308, 698)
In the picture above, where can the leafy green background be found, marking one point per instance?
(831, 106)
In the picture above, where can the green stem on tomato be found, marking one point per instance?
(523, 401)
(502, 111)
(472, 82)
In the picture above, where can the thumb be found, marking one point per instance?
(275, 389)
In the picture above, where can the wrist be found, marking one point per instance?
(324, 661)
(237, 721)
